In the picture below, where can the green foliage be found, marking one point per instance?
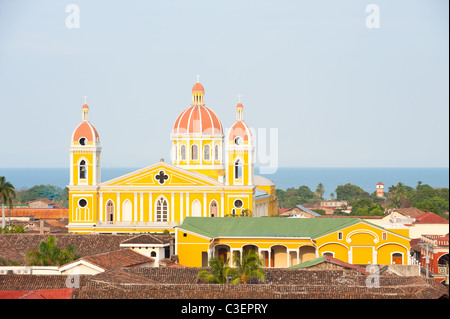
(320, 190)
(12, 229)
(50, 192)
(350, 192)
(296, 196)
(366, 207)
(423, 197)
(49, 254)
(246, 268)
(320, 211)
(4, 262)
(219, 271)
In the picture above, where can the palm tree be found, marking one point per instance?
(248, 267)
(320, 190)
(219, 271)
(398, 195)
(7, 194)
(49, 254)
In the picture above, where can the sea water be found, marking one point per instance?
(284, 178)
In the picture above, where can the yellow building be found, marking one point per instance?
(284, 242)
(210, 176)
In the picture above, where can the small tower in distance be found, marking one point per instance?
(380, 189)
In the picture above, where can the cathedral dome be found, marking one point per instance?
(239, 130)
(198, 87)
(198, 119)
(85, 132)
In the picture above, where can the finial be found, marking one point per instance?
(85, 96)
(198, 78)
(239, 96)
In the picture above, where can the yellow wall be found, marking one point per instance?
(362, 242)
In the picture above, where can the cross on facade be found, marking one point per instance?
(161, 177)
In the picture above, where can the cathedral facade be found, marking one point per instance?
(211, 175)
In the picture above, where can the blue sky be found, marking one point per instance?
(339, 93)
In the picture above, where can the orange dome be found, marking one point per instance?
(86, 130)
(197, 119)
(198, 87)
(239, 129)
(85, 106)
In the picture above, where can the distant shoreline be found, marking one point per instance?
(285, 177)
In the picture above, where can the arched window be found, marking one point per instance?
(153, 254)
(183, 152)
(207, 152)
(110, 211)
(213, 209)
(194, 152)
(127, 211)
(216, 152)
(196, 208)
(162, 210)
(238, 169)
(83, 169)
(397, 259)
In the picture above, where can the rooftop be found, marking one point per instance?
(265, 227)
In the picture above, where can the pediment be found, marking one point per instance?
(162, 174)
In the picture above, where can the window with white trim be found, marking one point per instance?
(207, 152)
(183, 152)
(162, 209)
(194, 152)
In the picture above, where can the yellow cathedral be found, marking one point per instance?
(211, 175)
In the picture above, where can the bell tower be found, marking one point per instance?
(239, 152)
(85, 152)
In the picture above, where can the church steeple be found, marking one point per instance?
(85, 111)
(239, 111)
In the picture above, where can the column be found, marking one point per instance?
(288, 258)
(150, 207)
(181, 207)
(71, 168)
(222, 205)
(118, 208)
(205, 211)
(100, 207)
(141, 206)
(94, 168)
(187, 205)
(172, 208)
(270, 257)
(135, 206)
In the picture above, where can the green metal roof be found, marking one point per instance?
(213, 227)
(309, 263)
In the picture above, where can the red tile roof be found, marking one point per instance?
(430, 218)
(39, 213)
(117, 259)
(65, 293)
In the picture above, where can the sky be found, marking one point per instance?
(337, 92)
